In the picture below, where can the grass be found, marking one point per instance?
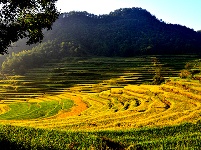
(184, 136)
(67, 104)
(35, 110)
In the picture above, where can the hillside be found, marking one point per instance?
(101, 103)
(133, 29)
(124, 32)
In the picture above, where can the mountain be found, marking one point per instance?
(124, 32)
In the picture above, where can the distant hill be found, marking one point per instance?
(124, 32)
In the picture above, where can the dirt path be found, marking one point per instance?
(75, 110)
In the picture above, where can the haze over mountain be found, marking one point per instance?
(124, 33)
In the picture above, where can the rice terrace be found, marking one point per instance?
(103, 103)
(128, 79)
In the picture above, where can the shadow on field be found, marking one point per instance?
(7, 145)
(108, 143)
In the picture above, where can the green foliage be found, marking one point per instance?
(184, 136)
(126, 32)
(192, 70)
(25, 19)
(185, 74)
(158, 78)
(30, 138)
(19, 63)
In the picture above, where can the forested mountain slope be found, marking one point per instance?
(124, 32)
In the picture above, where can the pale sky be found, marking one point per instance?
(183, 12)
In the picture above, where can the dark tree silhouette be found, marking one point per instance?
(25, 19)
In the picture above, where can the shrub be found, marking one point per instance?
(185, 74)
(158, 79)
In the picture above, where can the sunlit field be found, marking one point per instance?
(107, 102)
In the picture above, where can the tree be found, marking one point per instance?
(25, 19)
(158, 78)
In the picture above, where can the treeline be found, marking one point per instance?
(19, 63)
(125, 32)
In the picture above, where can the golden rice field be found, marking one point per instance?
(100, 94)
(101, 103)
(133, 106)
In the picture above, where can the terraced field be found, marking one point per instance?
(92, 98)
(101, 103)
(87, 75)
(133, 106)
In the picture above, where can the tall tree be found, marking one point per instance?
(25, 19)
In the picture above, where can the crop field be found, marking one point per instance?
(88, 74)
(106, 102)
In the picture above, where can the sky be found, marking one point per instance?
(183, 12)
